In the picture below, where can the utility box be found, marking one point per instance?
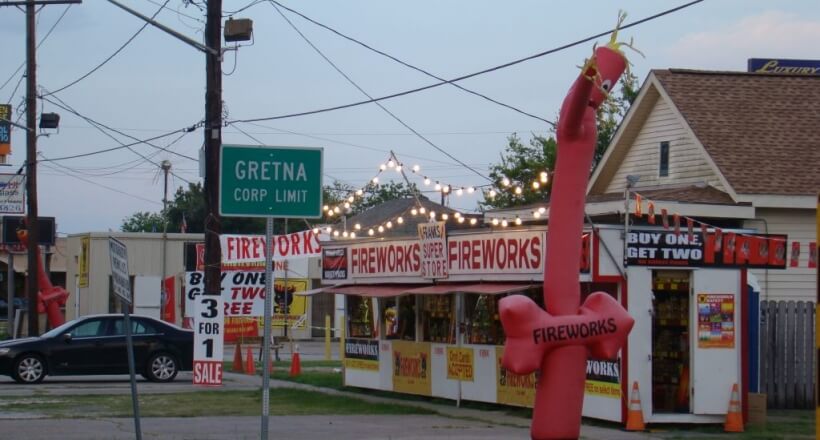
(757, 409)
(240, 29)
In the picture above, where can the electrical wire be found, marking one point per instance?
(471, 75)
(379, 104)
(116, 52)
(178, 12)
(406, 64)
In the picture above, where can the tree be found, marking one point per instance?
(338, 195)
(143, 222)
(521, 164)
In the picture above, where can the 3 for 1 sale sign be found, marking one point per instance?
(208, 340)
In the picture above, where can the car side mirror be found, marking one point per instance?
(66, 337)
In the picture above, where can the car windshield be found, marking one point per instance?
(59, 330)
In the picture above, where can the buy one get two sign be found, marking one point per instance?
(283, 182)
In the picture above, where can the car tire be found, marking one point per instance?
(29, 369)
(162, 367)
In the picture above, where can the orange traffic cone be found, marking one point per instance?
(237, 359)
(272, 362)
(250, 365)
(734, 419)
(634, 415)
(295, 364)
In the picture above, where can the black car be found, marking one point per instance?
(96, 345)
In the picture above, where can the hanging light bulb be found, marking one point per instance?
(315, 230)
(400, 220)
(457, 214)
(325, 208)
(438, 186)
(460, 192)
(352, 235)
(347, 205)
(330, 213)
(505, 181)
(382, 167)
(337, 210)
(359, 192)
(492, 193)
(461, 219)
(351, 199)
(445, 216)
(389, 224)
(414, 211)
(536, 185)
(518, 220)
(370, 231)
(422, 210)
(345, 234)
(518, 190)
(536, 214)
(335, 233)
(328, 229)
(398, 168)
(470, 190)
(357, 226)
(427, 181)
(544, 177)
(473, 221)
(376, 180)
(416, 168)
(390, 163)
(432, 215)
(445, 189)
(504, 223)
(381, 228)
(542, 209)
(495, 222)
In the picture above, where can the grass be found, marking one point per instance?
(230, 403)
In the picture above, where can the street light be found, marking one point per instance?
(49, 121)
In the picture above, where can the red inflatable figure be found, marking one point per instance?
(557, 341)
(50, 298)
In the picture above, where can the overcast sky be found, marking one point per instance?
(156, 83)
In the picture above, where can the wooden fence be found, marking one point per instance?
(787, 353)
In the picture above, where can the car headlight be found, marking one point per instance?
(4, 351)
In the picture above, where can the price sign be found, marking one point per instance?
(208, 339)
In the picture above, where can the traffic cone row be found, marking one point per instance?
(634, 415)
(237, 359)
(734, 418)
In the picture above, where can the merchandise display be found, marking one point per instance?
(670, 345)
(438, 318)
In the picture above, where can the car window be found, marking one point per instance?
(93, 327)
(138, 327)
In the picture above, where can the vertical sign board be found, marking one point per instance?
(120, 278)
(5, 129)
(12, 194)
(85, 249)
(282, 182)
(208, 339)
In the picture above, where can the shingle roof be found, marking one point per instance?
(761, 130)
(391, 209)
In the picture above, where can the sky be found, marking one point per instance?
(156, 83)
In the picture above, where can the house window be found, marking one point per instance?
(663, 168)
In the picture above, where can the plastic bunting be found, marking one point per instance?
(690, 226)
(795, 260)
(638, 212)
(664, 218)
(650, 207)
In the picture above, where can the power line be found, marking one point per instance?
(379, 104)
(45, 159)
(471, 75)
(116, 52)
(403, 63)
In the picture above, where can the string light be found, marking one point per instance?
(470, 189)
(438, 186)
(492, 193)
(400, 220)
(389, 224)
(382, 167)
(416, 168)
(335, 233)
(357, 226)
(495, 222)
(376, 180)
(543, 177)
(505, 181)
(325, 208)
(344, 234)
(414, 211)
(427, 181)
(381, 228)
(445, 189)
(518, 190)
(518, 220)
(352, 234)
(390, 163)
(536, 214)
(315, 230)
(370, 231)
(535, 185)
(504, 223)
(445, 216)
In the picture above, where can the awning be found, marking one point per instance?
(480, 288)
(371, 290)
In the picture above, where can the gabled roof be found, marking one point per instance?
(761, 130)
(392, 209)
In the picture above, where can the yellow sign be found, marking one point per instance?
(605, 389)
(460, 363)
(85, 250)
(297, 307)
(511, 388)
(411, 367)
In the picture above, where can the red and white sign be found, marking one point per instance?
(511, 252)
(433, 241)
(242, 252)
(379, 259)
(243, 294)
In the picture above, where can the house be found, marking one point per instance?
(729, 148)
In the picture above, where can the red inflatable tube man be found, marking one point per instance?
(557, 341)
(50, 298)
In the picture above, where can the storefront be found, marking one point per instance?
(422, 316)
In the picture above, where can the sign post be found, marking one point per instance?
(261, 181)
(121, 283)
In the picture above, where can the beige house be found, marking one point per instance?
(741, 149)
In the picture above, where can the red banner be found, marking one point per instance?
(240, 328)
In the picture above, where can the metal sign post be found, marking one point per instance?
(121, 281)
(267, 324)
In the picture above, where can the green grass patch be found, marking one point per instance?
(229, 403)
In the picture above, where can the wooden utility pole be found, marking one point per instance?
(31, 171)
(213, 143)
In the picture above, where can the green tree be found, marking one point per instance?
(143, 222)
(339, 195)
(522, 164)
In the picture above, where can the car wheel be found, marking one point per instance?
(29, 368)
(162, 367)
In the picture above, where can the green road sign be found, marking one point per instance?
(257, 181)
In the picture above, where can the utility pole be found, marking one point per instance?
(213, 144)
(166, 168)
